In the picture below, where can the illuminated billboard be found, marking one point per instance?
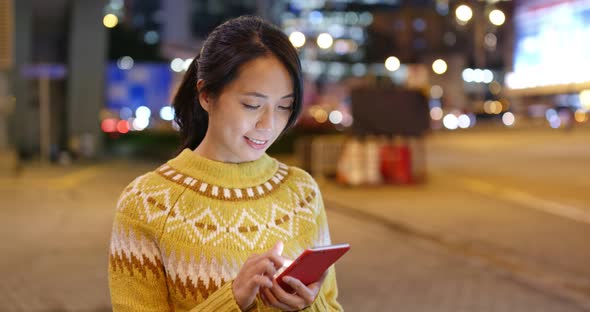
(552, 46)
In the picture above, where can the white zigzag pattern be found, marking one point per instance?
(202, 233)
(228, 228)
(140, 193)
(206, 271)
(287, 232)
(128, 243)
(242, 237)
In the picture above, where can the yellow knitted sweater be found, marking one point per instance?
(182, 232)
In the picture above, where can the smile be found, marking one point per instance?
(257, 142)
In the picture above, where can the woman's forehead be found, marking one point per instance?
(264, 76)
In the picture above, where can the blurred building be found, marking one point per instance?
(550, 75)
(425, 45)
(75, 78)
(59, 56)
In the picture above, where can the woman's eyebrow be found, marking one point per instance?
(263, 96)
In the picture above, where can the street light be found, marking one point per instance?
(463, 13)
(439, 66)
(497, 17)
(392, 63)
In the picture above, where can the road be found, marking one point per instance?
(499, 226)
(515, 202)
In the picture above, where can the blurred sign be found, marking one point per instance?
(389, 111)
(142, 85)
(6, 34)
(549, 49)
(51, 71)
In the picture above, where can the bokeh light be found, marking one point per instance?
(335, 117)
(392, 63)
(325, 41)
(297, 39)
(110, 20)
(497, 17)
(436, 113)
(508, 119)
(451, 122)
(439, 66)
(464, 13)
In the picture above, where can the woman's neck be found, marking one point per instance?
(243, 174)
(213, 152)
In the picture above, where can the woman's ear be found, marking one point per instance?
(203, 96)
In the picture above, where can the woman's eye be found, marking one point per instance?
(286, 107)
(248, 106)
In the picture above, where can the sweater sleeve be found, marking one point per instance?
(137, 276)
(137, 279)
(138, 282)
(221, 300)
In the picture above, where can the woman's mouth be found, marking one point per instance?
(256, 144)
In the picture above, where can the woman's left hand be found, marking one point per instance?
(303, 297)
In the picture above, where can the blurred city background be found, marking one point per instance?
(450, 138)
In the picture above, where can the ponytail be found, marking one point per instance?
(190, 116)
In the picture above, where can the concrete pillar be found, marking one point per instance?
(8, 158)
(24, 131)
(86, 71)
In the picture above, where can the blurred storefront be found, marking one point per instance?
(117, 76)
(551, 71)
(59, 57)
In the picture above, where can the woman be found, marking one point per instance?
(205, 231)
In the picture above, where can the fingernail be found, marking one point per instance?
(287, 279)
(280, 248)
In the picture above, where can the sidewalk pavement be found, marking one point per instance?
(426, 214)
(387, 270)
(57, 225)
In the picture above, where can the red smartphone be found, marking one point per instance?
(311, 264)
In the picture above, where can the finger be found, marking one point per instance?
(315, 288)
(261, 281)
(291, 300)
(250, 261)
(273, 301)
(264, 299)
(278, 248)
(277, 259)
(252, 258)
(265, 266)
(300, 289)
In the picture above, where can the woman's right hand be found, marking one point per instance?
(257, 272)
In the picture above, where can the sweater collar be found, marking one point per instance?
(231, 175)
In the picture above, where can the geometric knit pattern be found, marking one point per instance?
(132, 252)
(220, 192)
(179, 239)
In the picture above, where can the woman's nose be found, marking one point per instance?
(266, 120)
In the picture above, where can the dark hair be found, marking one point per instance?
(227, 47)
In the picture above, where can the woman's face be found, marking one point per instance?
(250, 113)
